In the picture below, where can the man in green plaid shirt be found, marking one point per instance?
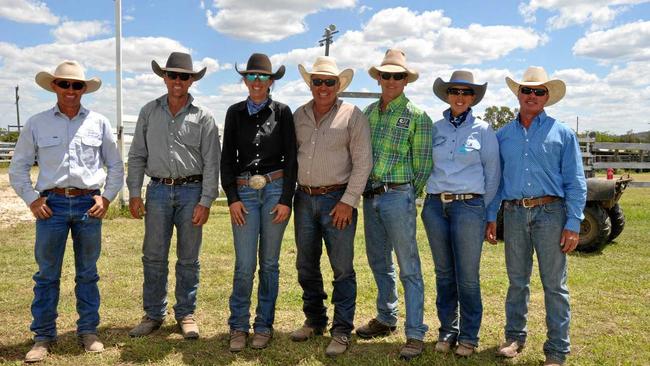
(401, 136)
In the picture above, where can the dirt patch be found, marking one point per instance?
(13, 210)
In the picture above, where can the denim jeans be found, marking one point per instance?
(537, 229)
(258, 228)
(313, 224)
(390, 220)
(167, 207)
(68, 215)
(455, 231)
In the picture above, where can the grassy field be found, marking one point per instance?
(610, 296)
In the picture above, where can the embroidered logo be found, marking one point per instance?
(403, 122)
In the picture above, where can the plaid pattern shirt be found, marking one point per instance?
(401, 143)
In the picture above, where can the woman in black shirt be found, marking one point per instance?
(258, 174)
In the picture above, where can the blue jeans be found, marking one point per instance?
(538, 229)
(390, 225)
(455, 231)
(68, 215)
(258, 228)
(168, 207)
(313, 224)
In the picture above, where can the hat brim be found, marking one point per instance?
(440, 90)
(375, 70)
(44, 79)
(556, 89)
(345, 77)
(160, 71)
(279, 73)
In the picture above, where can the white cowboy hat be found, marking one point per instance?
(394, 61)
(459, 78)
(536, 76)
(326, 65)
(69, 70)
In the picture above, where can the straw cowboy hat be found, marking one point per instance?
(326, 65)
(459, 78)
(69, 70)
(394, 61)
(259, 63)
(536, 76)
(178, 62)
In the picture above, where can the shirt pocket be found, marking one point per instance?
(45, 142)
(190, 134)
(440, 149)
(469, 152)
(91, 143)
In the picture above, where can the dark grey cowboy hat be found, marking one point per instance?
(459, 78)
(178, 62)
(259, 63)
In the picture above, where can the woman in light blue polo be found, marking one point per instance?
(464, 180)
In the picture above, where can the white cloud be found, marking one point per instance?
(27, 11)
(73, 32)
(363, 8)
(401, 22)
(266, 21)
(600, 13)
(629, 42)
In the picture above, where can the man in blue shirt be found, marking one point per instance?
(72, 146)
(543, 190)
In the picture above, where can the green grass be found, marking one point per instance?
(610, 296)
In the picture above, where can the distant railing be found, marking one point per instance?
(7, 150)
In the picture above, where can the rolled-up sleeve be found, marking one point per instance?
(361, 157)
(21, 164)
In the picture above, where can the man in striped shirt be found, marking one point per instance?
(401, 136)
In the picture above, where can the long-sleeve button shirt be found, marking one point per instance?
(544, 160)
(465, 159)
(70, 153)
(335, 150)
(259, 144)
(166, 146)
(401, 143)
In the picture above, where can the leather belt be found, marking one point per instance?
(71, 191)
(450, 197)
(533, 201)
(318, 191)
(370, 193)
(269, 177)
(179, 181)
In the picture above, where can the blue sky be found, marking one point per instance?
(600, 48)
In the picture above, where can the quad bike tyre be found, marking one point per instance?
(595, 229)
(617, 219)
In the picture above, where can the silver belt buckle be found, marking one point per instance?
(257, 181)
(442, 197)
(66, 192)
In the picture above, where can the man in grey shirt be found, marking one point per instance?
(176, 143)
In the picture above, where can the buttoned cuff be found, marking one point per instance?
(206, 201)
(573, 224)
(30, 196)
(350, 199)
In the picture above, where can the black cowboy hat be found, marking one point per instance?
(259, 63)
(178, 62)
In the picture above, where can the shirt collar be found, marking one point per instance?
(83, 111)
(165, 103)
(396, 103)
(309, 107)
(253, 107)
(457, 121)
(539, 119)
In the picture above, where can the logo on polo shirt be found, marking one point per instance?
(403, 122)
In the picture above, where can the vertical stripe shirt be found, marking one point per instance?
(543, 160)
(166, 146)
(401, 143)
(466, 158)
(335, 150)
(70, 153)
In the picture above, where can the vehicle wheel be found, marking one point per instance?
(594, 229)
(618, 221)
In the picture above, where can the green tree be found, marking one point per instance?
(498, 117)
(9, 136)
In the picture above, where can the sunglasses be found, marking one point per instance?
(65, 84)
(396, 76)
(328, 82)
(456, 91)
(182, 75)
(260, 77)
(538, 91)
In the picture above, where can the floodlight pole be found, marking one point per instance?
(17, 109)
(118, 84)
(330, 31)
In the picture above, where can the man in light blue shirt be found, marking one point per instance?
(544, 191)
(72, 145)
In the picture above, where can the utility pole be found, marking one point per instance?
(330, 31)
(17, 109)
(118, 86)
(577, 125)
